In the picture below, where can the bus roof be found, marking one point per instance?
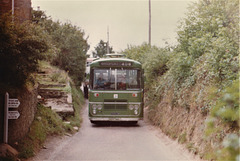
(115, 62)
(115, 55)
(90, 59)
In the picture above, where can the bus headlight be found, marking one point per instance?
(131, 107)
(99, 107)
(94, 106)
(135, 112)
(136, 107)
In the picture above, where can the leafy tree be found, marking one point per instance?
(73, 48)
(68, 45)
(101, 49)
(21, 46)
(154, 59)
(138, 53)
(38, 16)
(210, 32)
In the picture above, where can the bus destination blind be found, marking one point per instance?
(114, 64)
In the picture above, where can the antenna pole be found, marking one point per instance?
(149, 38)
(12, 10)
(107, 40)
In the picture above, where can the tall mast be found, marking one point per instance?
(107, 40)
(12, 10)
(149, 34)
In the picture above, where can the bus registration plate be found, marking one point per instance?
(115, 113)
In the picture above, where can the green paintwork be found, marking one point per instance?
(124, 98)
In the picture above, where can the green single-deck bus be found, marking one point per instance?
(116, 89)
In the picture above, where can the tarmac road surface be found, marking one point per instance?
(111, 142)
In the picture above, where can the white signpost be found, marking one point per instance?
(13, 115)
(9, 103)
(13, 103)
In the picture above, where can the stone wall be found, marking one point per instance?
(22, 8)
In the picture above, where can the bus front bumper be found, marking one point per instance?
(115, 119)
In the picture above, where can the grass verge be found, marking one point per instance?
(47, 122)
(78, 102)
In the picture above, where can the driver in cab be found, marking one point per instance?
(100, 83)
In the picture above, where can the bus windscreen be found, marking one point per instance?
(116, 79)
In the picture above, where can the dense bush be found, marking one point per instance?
(224, 122)
(210, 34)
(208, 47)
(138, 53)
(155, 63)
(154, 59)
(21, 46)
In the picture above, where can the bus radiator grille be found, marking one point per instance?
(115, 106)
(112, 104)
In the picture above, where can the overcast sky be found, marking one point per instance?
(127, 19)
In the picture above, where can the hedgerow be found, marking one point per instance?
(204, 63)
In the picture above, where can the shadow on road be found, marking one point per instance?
(115, 124)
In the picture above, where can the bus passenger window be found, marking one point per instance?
(121, 82)
(112, 82)
(116, 79)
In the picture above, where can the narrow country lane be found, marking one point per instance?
(114, 142)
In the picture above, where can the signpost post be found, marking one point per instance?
(5, 135)
(9, 103)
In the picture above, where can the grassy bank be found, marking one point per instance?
(47, 122)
